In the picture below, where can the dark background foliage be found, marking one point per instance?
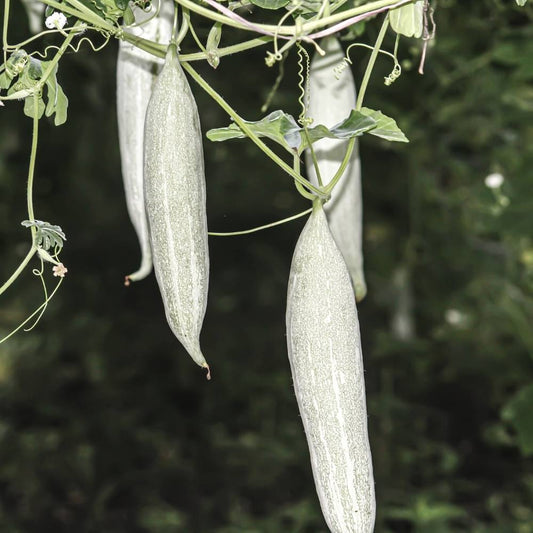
(106, 425)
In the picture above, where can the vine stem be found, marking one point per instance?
(259, 228)
(44, 304)
(184, 28)
(33, 158)
(359, 102)
(294, 31)
(5, 28)
(19, 269)
(29, 196)
(371, 63)
(247, 131)
(160, 50)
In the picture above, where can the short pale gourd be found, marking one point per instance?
(324, 348)
(136, 72)
(330, 102)
(175, 196)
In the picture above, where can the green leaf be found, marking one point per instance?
(128, 17)
(29, 107)
(274, 126)
(386, 127)
(270, 4)
(48, 235)
(283, 129)
(57, 102)
(61, 107)
(5, 81)
(408, 20)
(356, 124)
(518, 411)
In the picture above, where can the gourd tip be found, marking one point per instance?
(360, 292)
(208, 376)
(127, 281)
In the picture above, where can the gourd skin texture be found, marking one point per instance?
(136, 71)
(327, 367)
(330, 102)
(175, 196)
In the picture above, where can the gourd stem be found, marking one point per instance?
(175, 31)
(313, 156)
(299, 187)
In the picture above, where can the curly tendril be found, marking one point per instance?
(303, 85)
(346, 61)
(75, 48)
(39, 273)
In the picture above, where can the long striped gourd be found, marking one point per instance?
(136, 71)
(175, 196)
(330, 102)
(324, 348)
(35, 11)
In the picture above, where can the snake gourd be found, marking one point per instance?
(330, 102)
(324, 347)
(175, 196)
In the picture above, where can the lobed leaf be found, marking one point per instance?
(283, 129)
(48, 235)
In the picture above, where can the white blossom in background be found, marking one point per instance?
(494, 180)
(454, 317)
(56, 20)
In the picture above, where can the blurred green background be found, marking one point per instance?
(107, 426)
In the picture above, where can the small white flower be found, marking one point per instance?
(454, 317)
(56, 20)
(494, 180)
(60, 270)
